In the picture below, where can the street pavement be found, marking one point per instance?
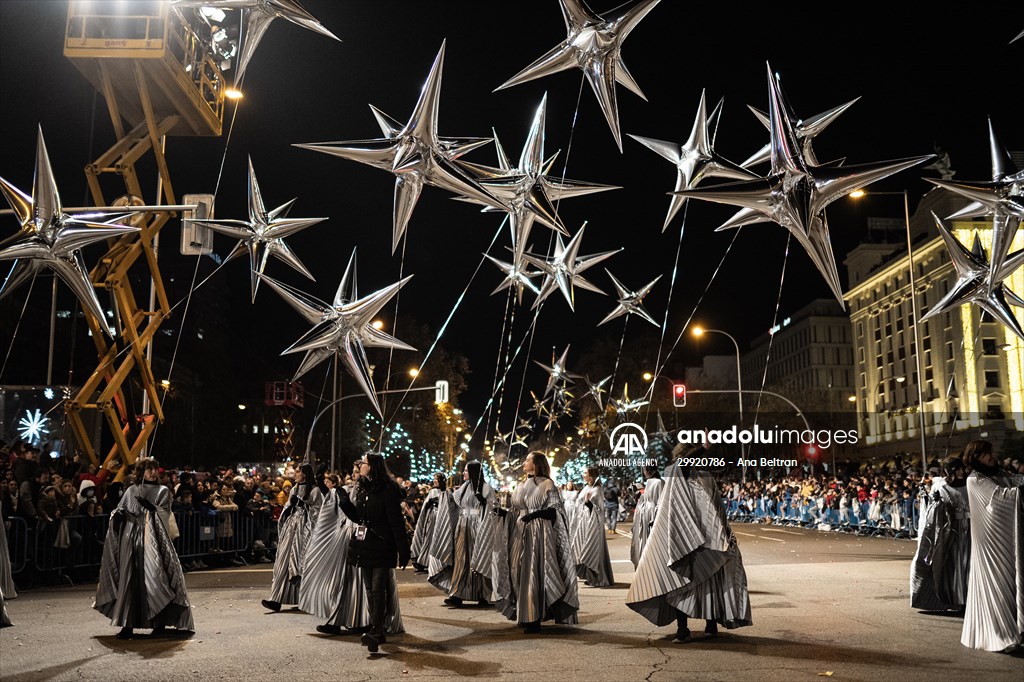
(825, 605)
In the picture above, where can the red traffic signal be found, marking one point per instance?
(812, 451)
(679, 395)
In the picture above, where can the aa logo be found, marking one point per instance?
(628, 439)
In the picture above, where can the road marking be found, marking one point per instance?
(776, 530)
(621, 561)
(763, 537)
(749, 535)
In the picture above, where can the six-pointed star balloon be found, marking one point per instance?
(563, 269)
(415, 154)
(796, 192)
(263, 234)
(345, 326)
(50, 238)
(593, 44)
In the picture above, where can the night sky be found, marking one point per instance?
(924, 78)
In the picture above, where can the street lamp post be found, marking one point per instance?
(917, 317)
(699, 331)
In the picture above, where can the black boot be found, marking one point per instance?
(711, 630)
(531, 628)
(372, 641)
(328, 629)
(453, 601)
(126, 633)
(271, 605)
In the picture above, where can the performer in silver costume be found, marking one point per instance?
(643, 514)
(141, 584)
(994, 617)
(938, 574)
(295, 525)
(6, 577)
(589, 542)
(333, 589)
(691, 566)
(542, 583)
(465, 568)
(424, 532)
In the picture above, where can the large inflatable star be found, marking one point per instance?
(795, 193)
(263, 234)
(415, 154)
(593, 44)
(694, 159)
(51, 239)
(563, 271)
(630, 302)
(343, 326)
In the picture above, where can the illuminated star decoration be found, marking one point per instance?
(624, 405)
(263, 234)
(562, 270)
(630, 302)
(32, 427)
(805, 131)
(517, 275)
(415, 154)
(593, 44)
(50, 238)
(557, 372)
(972, 281)
(694, 160)
(1002, 199)
(795, 193)
(344, 326)
(257, 17)
(527, 193)
(595, 389)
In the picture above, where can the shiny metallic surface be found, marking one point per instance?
(630, 302)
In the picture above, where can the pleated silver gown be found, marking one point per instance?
(691, 561)
(5, 620)
(589, 543)
(542, 574)
(424, 532)
(994, 619)
(292, 535)
(6, 577)
(141, 584)
(939, 572)
(462, 563)
(331, 588)
(643, 518)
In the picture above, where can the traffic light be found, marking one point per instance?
(679, 395)
(812, 452)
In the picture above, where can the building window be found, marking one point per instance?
(991, 378)
(949, 350)
(860, 329)
(988, 346)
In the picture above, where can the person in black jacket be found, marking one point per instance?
(379, 543)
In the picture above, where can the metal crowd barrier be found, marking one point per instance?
(44, 547)
(899, 519)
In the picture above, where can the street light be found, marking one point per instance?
(700, 331)
(917, 332)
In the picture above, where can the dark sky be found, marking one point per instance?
(924, 78)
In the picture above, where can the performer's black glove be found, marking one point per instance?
(432, 504)
(498, 511)
(481, 499)
(299, 503)
(550, 514)
(589, 505)
(146, 504)
(117, 520)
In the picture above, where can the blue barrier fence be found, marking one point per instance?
(895, 519)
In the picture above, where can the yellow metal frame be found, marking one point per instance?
(146, 79)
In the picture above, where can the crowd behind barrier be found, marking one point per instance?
(56, 512)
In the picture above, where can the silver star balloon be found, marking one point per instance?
(694, 160)
(527, 192)
(257, 15)
(1019, 36)
(1002, 199)
(517, 275)
(630, 302)
(525, 423)
(539, 408)
(557, 372)
(805, 131)
(972, 281)
(595, 389)
(563, 270)
(263, 234)
(795, 192)
(593, 44)
(415, 154)
(344, 326)
(51, 239)
(624, 405)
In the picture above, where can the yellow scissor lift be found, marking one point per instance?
(159, 77)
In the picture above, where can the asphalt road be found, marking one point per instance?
(824, 605)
